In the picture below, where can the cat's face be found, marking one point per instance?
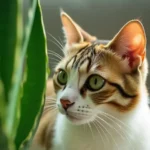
(94, 77)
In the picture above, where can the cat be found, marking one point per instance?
(101, 100)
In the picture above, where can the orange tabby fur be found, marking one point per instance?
(120, 62)
(44, 132)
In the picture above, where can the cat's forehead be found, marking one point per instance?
(79, 59)
(84, 59)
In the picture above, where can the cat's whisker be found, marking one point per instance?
(100, 125)
(50, 103)
(109, 134)
(112, 127)
(54, 65)
(56, 60)
(89, 125)
(62, 43)
(55, 54)
(116, 119)
(52, 51)
(50, 99)
(121, 126)
(99, 133)
(55, 43)
(125, 135)
(84, 125)
(51, 110)
(56, 40)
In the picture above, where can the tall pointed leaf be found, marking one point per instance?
(33, 88)
(10, 37)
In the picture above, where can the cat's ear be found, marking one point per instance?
(73, 32)
(130, 43)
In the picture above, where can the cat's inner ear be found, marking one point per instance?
(130, 43)
(73, 32)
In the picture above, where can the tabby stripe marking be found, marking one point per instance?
(122, 92)
(98, 98)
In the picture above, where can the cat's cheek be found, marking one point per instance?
(56, 86)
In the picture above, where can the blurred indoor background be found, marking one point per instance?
(102, 18)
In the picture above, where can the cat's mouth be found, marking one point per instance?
(72, 118)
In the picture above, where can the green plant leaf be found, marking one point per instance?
(13, 108)
(9, 36)
(3, 138)
(35, 79)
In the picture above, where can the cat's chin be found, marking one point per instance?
(76, 120)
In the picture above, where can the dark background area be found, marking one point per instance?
(102, 18)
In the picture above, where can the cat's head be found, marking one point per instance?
(96, 76)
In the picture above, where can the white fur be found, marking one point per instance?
(135, 134)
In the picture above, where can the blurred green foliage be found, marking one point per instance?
(23, 73)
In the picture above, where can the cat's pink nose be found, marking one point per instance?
(66, 103)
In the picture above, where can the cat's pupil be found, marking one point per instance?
(63, 75)
(95, 81)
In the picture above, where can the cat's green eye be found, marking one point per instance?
(95, 82)
(62, 77)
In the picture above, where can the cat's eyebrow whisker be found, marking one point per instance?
(56, 40)
(55, 43)
(52, 51)
(61, 41)
(56, 60)
(55, 54)
(53, 66)
(109, 134)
